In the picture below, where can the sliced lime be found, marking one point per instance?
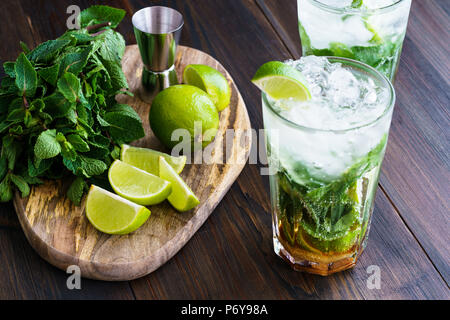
(182, 198)
(148, 159)
(211, 81)
(112, 214)
(324, 246)
(281, 81)
(138, 185)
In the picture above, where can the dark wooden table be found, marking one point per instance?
(231, 256)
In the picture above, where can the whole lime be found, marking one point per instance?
(183, 107)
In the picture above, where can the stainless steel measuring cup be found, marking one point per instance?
(157, 31)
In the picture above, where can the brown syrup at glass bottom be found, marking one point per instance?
(321, 264)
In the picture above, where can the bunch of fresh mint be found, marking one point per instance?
(58, 113)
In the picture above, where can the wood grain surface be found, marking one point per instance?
(231, 256)
(60, 232)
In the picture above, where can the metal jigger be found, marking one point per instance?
(157, 31)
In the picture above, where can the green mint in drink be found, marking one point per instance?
(368, 31)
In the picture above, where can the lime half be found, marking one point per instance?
(281, 81)
(112, 214)
(138, 185)
(182, 198)
(148, 159)
(211, 81)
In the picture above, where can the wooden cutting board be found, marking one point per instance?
(62, 235)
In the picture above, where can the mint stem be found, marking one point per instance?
(25, 102)
(97, 33)
(98, 26)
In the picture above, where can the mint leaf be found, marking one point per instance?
(28, 120)
(11, 150)
(24, 47)
(26, 76)
(92, 167)
(69, 86)
(8, 87)
(16, 130)
(79, 36)
(21, 184)
(6, 193)
(76, 190)
(356, 4)
(3, 167)
(78, 143)
(84, 166)
(113, 46)
(9, 68)
(37, 105)
(74, 62)
(23, 172)
(4, 125)
(47, 146)
(125, 124)
(5, 101)
(46, 51)
(16, 114)
(68, 151)
(43, 166)
(371, 55)
(98, 14)
(56, 105)
(341, 50)
(50, 74)
(118, 79)
(102, 121)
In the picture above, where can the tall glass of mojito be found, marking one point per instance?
(325, 148)
(371, 31)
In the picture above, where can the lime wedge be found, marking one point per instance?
(376, 39)
(148, 159)
(138, 185)
(301, 236)
(211, 81)
(324, 246)
(281, 81)
(112, 214)
(182, 198)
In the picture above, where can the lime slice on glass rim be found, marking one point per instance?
(138, 185)
(148, 159)
(211, 81)
(112, 214)
(281, 82)
(182, 198)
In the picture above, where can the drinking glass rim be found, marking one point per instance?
(353, 10)
(353, 63)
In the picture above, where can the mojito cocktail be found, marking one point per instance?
(371, 31)
(325, 155)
